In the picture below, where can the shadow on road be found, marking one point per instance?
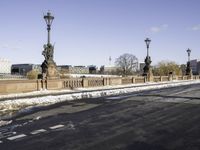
(165, 96)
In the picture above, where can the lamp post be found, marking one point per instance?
(188, 51)
(147, 41)
(188, 68)
(147, 59)
(48, 66)
(48, 19)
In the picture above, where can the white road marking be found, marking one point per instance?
(57, 126)
(16, 137)
(113, 98)
(177, 93)
(1, 142)
(38, 131)
(6, 134)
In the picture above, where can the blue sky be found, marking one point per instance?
(87, 32)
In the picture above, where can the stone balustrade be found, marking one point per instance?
(72, 83)
(20, 86)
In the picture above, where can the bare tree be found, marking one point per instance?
(127, 63)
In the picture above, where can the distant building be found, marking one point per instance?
(68, 69)
(80, 70)
(109, 69)
(64, 68)
(198, 67)
(23, 69)
(195, 66)
(5, 66)
(92, 69)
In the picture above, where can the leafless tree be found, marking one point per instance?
(127, 63)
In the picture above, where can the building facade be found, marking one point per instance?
(195, 66)
(23, 69)
(110, 69)
(68, 69)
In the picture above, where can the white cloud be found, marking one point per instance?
(196, 27)
(155, 29)
(160, 28)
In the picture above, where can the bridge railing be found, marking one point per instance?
(140, 79)
(127, 80)
(73, 83)
(92, 82)
(18, 86)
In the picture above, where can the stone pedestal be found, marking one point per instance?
(190, 75)
(170, 77)
(148, 70)
(49, 70)
(150, 75)
(189, 71)
(85, 82)
(52, 72)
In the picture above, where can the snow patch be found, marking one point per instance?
(3, 123)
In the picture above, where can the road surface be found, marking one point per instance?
(165, 119)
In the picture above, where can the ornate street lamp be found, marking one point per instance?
(147, 41)
(188, 68)
(188, 51)
(147, 59)
(48, 19)
(48, 66)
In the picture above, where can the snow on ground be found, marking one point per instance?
(17, 104)
(4, 123)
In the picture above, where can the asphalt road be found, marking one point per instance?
(166, 119)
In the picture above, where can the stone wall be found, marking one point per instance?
(19, 86)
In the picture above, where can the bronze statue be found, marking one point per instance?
(48, 52)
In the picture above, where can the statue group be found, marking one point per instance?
(49, 66)
(48, 52)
